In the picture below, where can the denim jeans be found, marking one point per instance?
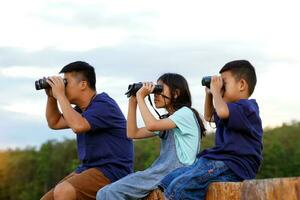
(139, 184)
(192, 182)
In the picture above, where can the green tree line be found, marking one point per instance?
(28, 173)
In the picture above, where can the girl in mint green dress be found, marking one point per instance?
(180, 134)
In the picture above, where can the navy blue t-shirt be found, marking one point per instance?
(238, 139)
(106, 145)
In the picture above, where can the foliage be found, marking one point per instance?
(145, 152)
(281, 152)
(29, 173)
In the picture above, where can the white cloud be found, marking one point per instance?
(32, 108)
(209, 32)
(26, 30)
(276, 92)
(27, 72)
(172, 21)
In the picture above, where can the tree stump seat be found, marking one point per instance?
(259, 189)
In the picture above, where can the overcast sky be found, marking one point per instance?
(137, 40)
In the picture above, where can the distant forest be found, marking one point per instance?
(26, 174)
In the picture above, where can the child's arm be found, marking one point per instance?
(151, 123)
(133, 131)
(216, 90)
(208, 106)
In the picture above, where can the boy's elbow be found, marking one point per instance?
(223, 113)
(52, 126)
(76, 131)
(53, 123)
(79, 129)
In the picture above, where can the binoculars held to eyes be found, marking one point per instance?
(206, 81)
(42, 83)
(133, 88)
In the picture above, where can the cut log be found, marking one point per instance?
(263, 189)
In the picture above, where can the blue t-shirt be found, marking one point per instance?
(106, 145)
(238, 139)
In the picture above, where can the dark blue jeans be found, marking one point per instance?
(192, 182)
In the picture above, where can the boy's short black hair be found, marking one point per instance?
(86, 70)
(242, 69)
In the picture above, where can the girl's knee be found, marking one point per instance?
(99, 194)
(103, 192)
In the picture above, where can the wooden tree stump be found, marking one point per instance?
(264, 189)
(260, 189)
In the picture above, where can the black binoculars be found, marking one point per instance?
(133, 88)
(206, 81)
(42, 84)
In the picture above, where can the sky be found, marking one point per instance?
(130, 41)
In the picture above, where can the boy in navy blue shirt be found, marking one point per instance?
(237, 154)
(105, 152)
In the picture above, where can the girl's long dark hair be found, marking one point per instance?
(178, 84)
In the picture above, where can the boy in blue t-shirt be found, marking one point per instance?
(237, 154)
(105, 152)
